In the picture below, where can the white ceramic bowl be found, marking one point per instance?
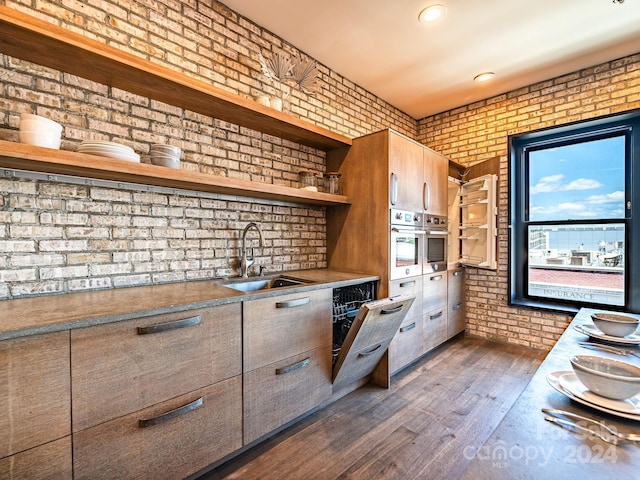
(39, 131)
(614, 324)
(166, 149)
(165, 160)
(607, 377)
(39, 138)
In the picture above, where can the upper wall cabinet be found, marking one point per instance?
(46, 44)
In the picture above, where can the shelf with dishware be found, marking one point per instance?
(44, 43)
(21, 156)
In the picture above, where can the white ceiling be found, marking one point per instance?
(424, 69)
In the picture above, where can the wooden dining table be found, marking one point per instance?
(526, 446)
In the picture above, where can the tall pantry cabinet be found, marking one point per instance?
(380, 171)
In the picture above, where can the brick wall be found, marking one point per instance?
(58, 237)
(480, 131)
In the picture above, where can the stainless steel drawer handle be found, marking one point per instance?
(457, 307)
(437, 278)
(408, 327)
(373, 350)
(162, 327)
(436, 315)
(189, 407)
(293, 366)
(408, 284)
(293, 303)
(392, 310)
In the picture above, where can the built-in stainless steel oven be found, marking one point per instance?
(407, 244)
(435, 244)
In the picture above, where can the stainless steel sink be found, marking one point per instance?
(263, 283)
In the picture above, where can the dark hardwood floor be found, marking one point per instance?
(436, 410)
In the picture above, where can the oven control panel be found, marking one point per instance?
(405, 218)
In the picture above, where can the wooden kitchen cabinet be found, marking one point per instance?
(284, 390)
(406, 345)
(35, 396)
(149, 444)
(406, 170)
(456, 319)
(436, 168)
(434, 299)
(123, 367)
(287, 358)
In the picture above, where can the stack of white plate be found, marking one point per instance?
(165, 155)
(109, 149)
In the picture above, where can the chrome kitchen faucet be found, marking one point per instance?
(246, 262)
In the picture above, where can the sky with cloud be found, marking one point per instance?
(577, 182)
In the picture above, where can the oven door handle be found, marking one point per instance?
(410, 232)
(437, 232)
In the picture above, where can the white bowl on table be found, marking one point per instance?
(614, 324)
(607, 377)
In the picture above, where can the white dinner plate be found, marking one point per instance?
(104, 144)
(120, 155)
(592, 331)
(577, 393)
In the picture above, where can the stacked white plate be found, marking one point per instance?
(109, 149)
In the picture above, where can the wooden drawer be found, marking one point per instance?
(434, 291)
(455, 286)
(279, 392)
(282, 326)
(35, 394)
(456, 319)
(435, 328)
(174, 448)
(412, 287)
(406, 345)
(49, 461)
(123, 367)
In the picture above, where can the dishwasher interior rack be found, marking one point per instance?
(346, 303)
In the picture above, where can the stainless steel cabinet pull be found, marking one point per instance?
(408, 284)
(437, 278)
(161, 327)
(293, 303)
(293, 366)
(374, 350)
(393, 189)
(456, 307)
(408, 327)
(189, 407)
(457, 273)
(426, 196)
(436, 315)
(392, 310)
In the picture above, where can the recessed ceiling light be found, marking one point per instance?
(484, 76)
(432, 13)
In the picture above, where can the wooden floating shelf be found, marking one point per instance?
(62, 162)
(44, 43)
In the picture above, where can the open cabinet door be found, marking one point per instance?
(477, 207)
(369, 337)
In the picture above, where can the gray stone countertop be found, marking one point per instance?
(52, 313)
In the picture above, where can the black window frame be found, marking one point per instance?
(627, 123)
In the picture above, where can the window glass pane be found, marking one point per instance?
(578, 181)
(583, 263)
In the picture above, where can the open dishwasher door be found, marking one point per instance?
(368, 338)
